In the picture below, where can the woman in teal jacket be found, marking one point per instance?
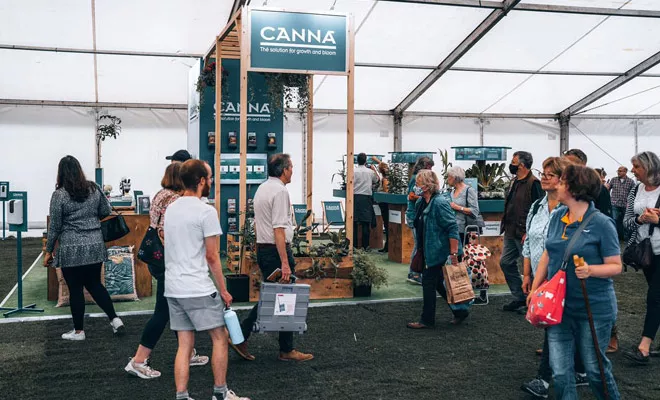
(413, 196)
(436, 234)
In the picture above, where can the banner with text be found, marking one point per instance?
(299, 41)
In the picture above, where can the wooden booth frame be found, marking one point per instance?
(233, 42)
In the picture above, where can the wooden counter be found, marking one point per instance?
(138, 225)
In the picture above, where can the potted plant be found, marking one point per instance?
(398, 178)
(238, 285)
(341, 173)
(107, 126)
(366, 274)
(285, 90)
(492, 179)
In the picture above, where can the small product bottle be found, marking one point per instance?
(233, 326)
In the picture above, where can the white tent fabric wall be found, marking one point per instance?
(35, 138)
(373, 135)
(607, 143)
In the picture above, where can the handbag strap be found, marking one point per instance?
(574, 238)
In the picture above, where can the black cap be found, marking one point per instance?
(179, 155)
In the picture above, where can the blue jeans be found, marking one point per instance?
(617, 216)
(563, 339)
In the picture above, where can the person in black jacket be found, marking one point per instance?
(525, 190)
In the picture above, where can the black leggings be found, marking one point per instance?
(88, 277)
(158, 321)
(652, 320)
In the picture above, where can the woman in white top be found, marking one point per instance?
(641, 219)
(465, 203)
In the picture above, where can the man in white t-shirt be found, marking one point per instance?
(192, 232)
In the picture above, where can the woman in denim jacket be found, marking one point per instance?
(436, 234)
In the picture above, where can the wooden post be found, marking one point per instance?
(242, 41)
(310, 153)
(218, 123)
(350, 124)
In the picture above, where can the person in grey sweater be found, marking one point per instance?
(76, 209)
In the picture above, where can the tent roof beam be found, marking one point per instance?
(91, 104)
(614, 84)
(484, 27)
(615, 12)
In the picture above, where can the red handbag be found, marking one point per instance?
(547, 305)
(546, 308)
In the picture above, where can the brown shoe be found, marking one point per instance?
(613, 346)
(295, 355)
(242, 350)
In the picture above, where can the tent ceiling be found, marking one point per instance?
(388, 32)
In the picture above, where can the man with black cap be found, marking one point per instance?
(179, 156)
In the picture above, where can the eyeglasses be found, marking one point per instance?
(548, 176)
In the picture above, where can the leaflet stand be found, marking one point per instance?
(4, 194)
(18, 223)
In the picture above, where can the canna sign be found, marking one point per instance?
(298, 41)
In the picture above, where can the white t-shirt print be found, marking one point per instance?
(187, 222)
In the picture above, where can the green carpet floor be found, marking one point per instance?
(35, 290)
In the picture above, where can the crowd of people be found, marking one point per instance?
(570, 211)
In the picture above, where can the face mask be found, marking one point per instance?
(418, 191)
(513, 169)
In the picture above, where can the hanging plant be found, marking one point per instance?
(284, 90)
(107, 126)
(207, 79)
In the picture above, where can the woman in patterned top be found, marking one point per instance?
(139, 364)
(76, 210)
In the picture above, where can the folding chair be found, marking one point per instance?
(299, 212)
(333, 215)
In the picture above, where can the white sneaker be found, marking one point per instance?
(118, 327)
(73, 335)
(143, 371)
(197, 360)
(231, 396)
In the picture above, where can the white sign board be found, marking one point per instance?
(395, 217)
(285, 304)
(377, 210)
(492, 228)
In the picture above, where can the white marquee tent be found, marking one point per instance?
(536, 75)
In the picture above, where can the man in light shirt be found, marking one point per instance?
(364, 179)
(272, 218)
(192, 232)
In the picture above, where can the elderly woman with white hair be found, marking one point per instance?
(464, 200)
(436, 234)
(465, 203)
(641, 222)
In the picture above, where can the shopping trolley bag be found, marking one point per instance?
(282, 308)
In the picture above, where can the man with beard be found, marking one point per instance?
(192, 232)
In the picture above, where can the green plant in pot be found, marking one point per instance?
(366, 274)
(238, 285)
(285, 90)
(492, 179)
(341, 173)
(398, 178)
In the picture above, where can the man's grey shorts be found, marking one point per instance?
(196, 313)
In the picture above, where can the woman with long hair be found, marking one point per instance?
(76, 209)
(642, 216)
(172, 188)
(414, 194)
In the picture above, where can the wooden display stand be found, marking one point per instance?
(494, 244)
(138, 225)
(234, 42)
(401, 241)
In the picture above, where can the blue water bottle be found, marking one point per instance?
(233, 326)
